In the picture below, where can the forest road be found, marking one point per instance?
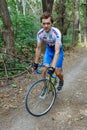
(69, 111)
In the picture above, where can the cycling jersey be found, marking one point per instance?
(51, 38)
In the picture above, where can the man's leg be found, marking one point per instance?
(59, 74)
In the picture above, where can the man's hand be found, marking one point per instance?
(51, 70)
(35, 66)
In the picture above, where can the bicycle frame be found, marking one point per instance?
(50, 77)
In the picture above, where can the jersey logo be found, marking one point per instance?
(44, 38)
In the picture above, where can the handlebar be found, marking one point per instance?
(40, 72)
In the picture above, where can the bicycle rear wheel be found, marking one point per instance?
(36, 105)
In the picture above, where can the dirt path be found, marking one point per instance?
(70, 109)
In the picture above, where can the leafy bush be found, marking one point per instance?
(67, 40)
(25, 28)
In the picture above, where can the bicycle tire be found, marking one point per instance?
(34, 104)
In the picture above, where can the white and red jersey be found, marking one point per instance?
(51, 38)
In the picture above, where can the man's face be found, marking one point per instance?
(46, 24)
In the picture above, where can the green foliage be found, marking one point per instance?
(25, 28)
(67, 39)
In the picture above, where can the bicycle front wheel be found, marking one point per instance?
(36, 104)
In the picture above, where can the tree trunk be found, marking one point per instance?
(75, 23)
(61, 21)
(85, 21)
(7, 31)
(47, 5)
(79, 35)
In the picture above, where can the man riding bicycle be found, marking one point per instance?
(54, 54)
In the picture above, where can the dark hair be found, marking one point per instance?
(46, 15)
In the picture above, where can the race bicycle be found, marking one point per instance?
(41, 94)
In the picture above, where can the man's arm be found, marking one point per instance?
(37, 54)
(57, 50)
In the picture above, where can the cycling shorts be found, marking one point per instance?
(49, 54)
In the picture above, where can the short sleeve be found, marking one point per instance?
(38, 39)
(58, 37)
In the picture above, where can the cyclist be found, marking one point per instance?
(54, 54)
